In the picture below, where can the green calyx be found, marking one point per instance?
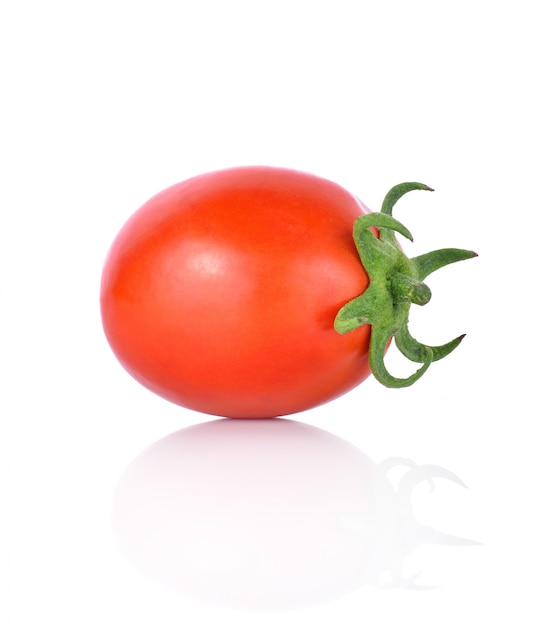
(395, 284)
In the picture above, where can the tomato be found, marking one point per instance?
(220, 293)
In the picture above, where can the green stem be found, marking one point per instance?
(395, 284)
(404, 287)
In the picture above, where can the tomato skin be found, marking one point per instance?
(219, 294)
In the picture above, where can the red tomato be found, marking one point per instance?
(220, 293)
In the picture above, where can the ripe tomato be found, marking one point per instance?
(219, 294)
(260, 292)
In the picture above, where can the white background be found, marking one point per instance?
(106, 103)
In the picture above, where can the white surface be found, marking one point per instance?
(105, 104)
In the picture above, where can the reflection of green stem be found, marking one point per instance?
(395, 284)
